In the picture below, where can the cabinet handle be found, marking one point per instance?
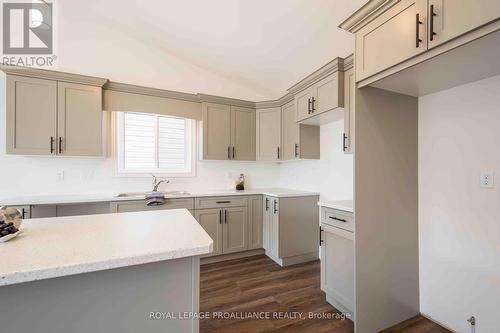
(228, 152)
(52, 145)
(344, 140)
(267, 204)
(296, 150)
(338, 219)
(320, 232)
(23, 212)
(313, 100)
(225, 216)
(223, 202)
(60, 145)
(417, 31)
(275, 204)
(432, 14)
(220, 216)
(309, 106)
(233, 151)
(278, 153)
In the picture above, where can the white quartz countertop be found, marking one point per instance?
(107, 197)
(61, 246)
(345, 205)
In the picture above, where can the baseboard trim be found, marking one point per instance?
(288, 261)
(231, 256)
(339, 306)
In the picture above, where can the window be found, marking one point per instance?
(149, 143)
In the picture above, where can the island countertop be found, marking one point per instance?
(61, 246)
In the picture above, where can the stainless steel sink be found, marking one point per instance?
(142, 195)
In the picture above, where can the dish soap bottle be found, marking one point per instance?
(240, 184)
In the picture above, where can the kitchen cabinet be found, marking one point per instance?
(47, 117)
(242, 133)
(451, 19)
(235, 230)
(391, 38)
(228, 132)
(24, 210)
(79, 113)
(323, 96)
(216, 131)
(269, 134)
(255, 222)
(31, 116)
(298, 140)
(349, 109)
(337, 267)
(290, 229)
(211, 221)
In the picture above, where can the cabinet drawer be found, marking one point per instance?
(219, 202)
(137, 206)
(337, 218)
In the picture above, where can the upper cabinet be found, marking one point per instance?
(51, 117)
(269, 134)
(397, 35)
(228, 132)
(394, 35)
(450, 19)
(298, 141)
(320, 92)
(349, 108)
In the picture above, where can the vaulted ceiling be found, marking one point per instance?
(261, 46)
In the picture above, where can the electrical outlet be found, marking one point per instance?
(487, 180)
(60, 176)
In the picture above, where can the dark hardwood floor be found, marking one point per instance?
(248, 295)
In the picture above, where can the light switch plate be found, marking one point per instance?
(487, 180)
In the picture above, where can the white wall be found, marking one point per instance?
(332, 175)
(459, 222)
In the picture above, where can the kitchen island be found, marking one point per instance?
(103, 273)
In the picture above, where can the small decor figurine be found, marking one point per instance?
(10, 222)
(240, 184)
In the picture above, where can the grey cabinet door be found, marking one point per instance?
(31, 116)
(349, 87)
(216, 131)
(391, 38)
(275, 228)
(457, 17)
(211, 221)
(235, 230)
(303, 103)
(242, 134)
(267, 223)
(328, 93)
(290, 135)
(269, 134)
(79, 120)
(255, 222)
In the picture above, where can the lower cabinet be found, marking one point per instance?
(337, 260)
(140, 205)
(290, 229)
(228, 227)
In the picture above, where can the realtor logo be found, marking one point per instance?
(27, 28)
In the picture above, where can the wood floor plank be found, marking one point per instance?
(287, 295)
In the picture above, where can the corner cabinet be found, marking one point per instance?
(48, 117)
(269, 134)
(228, 132)
(298, 141)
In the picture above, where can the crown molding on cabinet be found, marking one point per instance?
(130, 88)
(276, 103)
(366, 14)
(335, 65)
(53, 75)
(225, 100)
(348, 62)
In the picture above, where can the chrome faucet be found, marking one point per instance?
(157, 183)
